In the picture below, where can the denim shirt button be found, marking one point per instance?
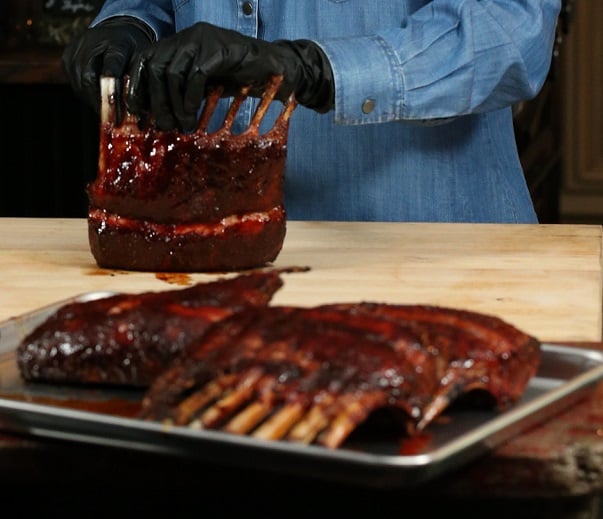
(368, 106)
(247, 8)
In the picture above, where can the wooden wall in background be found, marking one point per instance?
(581, 198)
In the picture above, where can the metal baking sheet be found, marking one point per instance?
(373, 457)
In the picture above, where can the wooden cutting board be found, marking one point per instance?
(545, 279)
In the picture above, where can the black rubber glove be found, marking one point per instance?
(104, 50)
(170, 78)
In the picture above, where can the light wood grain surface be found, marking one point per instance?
(545, 279)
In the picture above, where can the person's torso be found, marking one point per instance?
(273, 19)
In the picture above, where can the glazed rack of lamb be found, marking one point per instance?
(311, 375)
(202, 201)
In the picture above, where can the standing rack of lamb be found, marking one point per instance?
(200, 201)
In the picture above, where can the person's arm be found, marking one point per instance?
(451, 58)
(170, 79)
(157, 14)
(107, 48)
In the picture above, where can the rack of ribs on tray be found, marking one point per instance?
(300, 374)
(128, 339)
(316, 374)
(200, 201)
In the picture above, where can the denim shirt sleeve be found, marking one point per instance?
(158, 14)
(449, 58)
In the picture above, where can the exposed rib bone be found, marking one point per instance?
(233, 109)
(249, 417)
(355, 410)
(208, 109)
(224, 407)
(279, 424)
(114, 112)
(192, 405)
(109, 91)
(287, 111)
(312, 423)
(267, 97)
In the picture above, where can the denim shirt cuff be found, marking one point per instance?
(368, 80)
(156, 21)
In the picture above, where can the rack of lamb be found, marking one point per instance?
(190, 202)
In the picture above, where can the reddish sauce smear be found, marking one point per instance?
(101, 272)
(174, 278)
(412, 445)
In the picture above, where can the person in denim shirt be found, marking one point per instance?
(405, 106)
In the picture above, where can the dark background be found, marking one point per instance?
(48, 149)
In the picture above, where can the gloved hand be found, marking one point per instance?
(169, 79)
(104, 50)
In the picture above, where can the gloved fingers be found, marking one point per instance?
(105, 49)
(184, 100)
(117, 57)
(231, 67)
(194, 90)
(159, 94)
(137, 100)
(284, 92)
(105, 59)
(203, 70)
(89, 82)
(149, 91)
(83, 69)
(170, 79)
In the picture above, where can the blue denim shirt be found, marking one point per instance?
(443, 76)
